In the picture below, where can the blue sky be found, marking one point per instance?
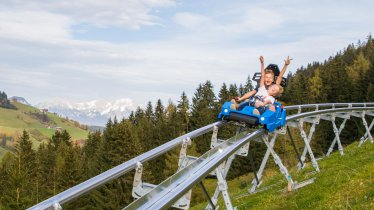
(143, 50)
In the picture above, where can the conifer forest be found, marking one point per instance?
(29, 176)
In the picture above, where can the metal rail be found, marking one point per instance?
(329, 105)
(165, 194)
(74, 192)
(327, 111)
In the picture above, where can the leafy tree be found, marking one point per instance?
(315, 88)
(357, 74)
(369, 94)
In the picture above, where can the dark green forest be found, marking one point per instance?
(30, 176)
(4, 101)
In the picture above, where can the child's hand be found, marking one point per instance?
(287, 61)
(260, 103)
(261, 59)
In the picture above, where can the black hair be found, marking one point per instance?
(274, 68)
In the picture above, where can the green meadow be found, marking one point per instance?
(344, 182)
(13, 122)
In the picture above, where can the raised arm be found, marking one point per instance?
(286, 63)
(262, 71)
(247, 95)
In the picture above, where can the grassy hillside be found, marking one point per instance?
(2, 152)
(40, 126)
(345, 182)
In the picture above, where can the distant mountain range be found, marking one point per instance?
(96, 112)
(19, 100)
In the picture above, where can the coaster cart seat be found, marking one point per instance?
(270, 120)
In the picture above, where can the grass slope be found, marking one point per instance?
(344, 182)
(13, 122)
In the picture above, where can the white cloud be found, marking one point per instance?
(218, 43)
(256, 20)
(120, 13)
(30, 25)
(25, 78)
(191, 20)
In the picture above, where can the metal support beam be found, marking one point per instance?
(222, 184)
(365, 137)
(141, 188)
(307, 145)
(255, 183)
(278, 161)
(336, 138)
(314, 121)
(225, 166)
(212, 206)
(366, 127)
(138, 187)
(303, 156)
(214, 140)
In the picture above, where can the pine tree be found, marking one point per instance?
(139, 114)
(204, 111)
(17, 174)
(46, 167)
(26, 157)
(173, 129)
(248, 85)
(90, 163)
(4, 102)
(122, 146)
(223, 94)
(149, 112)
(159, 111)
(183, 108)
(60, 136)
(8, 180)
(233, 90)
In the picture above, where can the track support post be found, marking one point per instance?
(255, 183)
(307, 145)
(331, 148)
(367, 134)
(278, 161)
(310, 135)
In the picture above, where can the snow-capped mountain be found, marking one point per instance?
(96, 112)
(19, 99)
